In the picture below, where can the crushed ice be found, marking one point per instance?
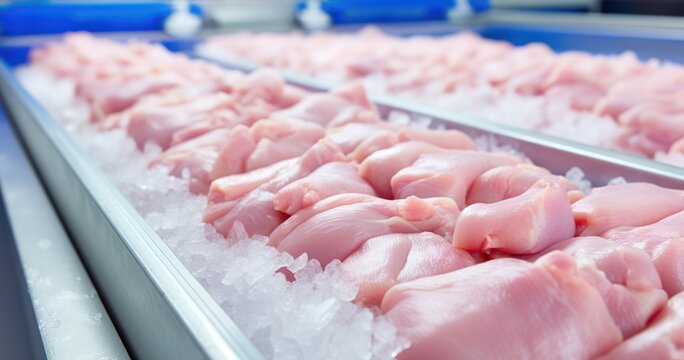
(310, 318)
(576, 176)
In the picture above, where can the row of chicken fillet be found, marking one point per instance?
(640, 97)
(471, 254)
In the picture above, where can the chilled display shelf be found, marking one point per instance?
(159, 308)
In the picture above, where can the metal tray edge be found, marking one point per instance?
(610, 163)
(160, 308)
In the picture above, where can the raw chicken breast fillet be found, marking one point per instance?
(625, 277)
(195, 156)
(379, 167)
(387, 260)
(505, 182)
(449, 174)
(248, 198)
(345, 105)
(503, 309)
(662, 340)
(664, 242)
(633, 204)
(337, 226)
(264, 143)
(330, 179)
(524, 224)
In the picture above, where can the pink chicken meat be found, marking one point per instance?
(337, 226)
(387, 260)
(583, 79)
(633, 204)
(260, 94)
(446, 139)
(224, 151)
(448, 174)
(123, 88)
(624, 276)
(248, 198)
(194, 157)
(503, 309)
(345, 105)
(220, 81)
(524, 224)
(379, 167)
(330, 179)
(264, 143)
(522, 70)
(659, 121)
(662, 340)
(157, 124)
(504, 182)
(664, 242)
(349, 136)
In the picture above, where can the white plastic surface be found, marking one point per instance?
(72, 320)
(313, 18)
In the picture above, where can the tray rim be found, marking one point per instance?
(214, 333)
(385, 102)
(202, 321)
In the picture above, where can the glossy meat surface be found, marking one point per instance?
(248, 198)
(625, 277)
(524, 224)
(387, 260)
(664, 242)
(662, 340)
(504, 182)
(634, 204)
(479, 312)
(337, 226)
(449, 174)
(264, 143)
(330, 179)
(379, 168)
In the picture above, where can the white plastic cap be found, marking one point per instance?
(313, 17)
(461, 9)
(182, 23)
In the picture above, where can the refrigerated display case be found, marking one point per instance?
(158, 308)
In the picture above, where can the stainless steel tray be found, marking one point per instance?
(20, 336)
(556, 154)
(158, 307)
(58, 296)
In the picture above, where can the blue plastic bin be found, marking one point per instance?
(43, 17)
(361, 11)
